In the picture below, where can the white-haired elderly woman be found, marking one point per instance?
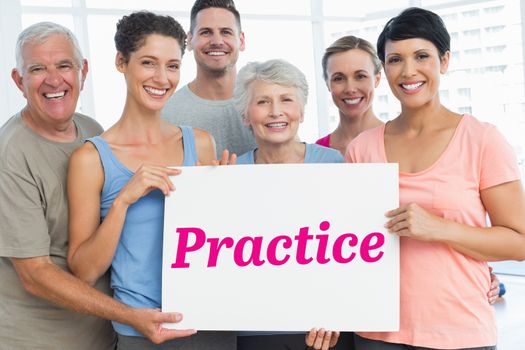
(271, 97)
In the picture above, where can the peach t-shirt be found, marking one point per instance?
(443, 292)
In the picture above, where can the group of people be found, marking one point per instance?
(82, 217)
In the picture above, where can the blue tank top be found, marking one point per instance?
(136, 270)
(313, 154)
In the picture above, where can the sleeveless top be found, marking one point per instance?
(136, 270)
(313, 154)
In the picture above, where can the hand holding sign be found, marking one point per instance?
(321, 339)
(146, 179)
(413, 221)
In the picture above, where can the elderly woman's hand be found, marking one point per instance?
(321, 339)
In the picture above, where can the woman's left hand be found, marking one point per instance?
(321, 339)
(411, 220)
(493, 293)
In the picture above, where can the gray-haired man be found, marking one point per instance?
(38, 296)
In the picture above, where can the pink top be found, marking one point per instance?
(324, 141)
(443, 292)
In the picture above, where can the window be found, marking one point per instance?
(136, 5)
(382, 98)
(470, 14)
(473, 52)
(496, 49)
(383, 116)
(473, 33)
(465, 110)
(460, 73)
(266, 7)
(500, 68)
(371, 29)
(477, 70)
(449, 17)
(494, 29)
(464, 92)
(49, 3)
(494, 9)
(515, 108)
(342, 8)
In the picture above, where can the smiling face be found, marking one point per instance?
(413, 68)
(51, 80)
(152, 72)
(352, 81)
(274, 112)
(216, 41)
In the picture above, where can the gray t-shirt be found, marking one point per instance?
(34, 222)
(219, 118)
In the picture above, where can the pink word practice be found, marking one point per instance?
(251, 250)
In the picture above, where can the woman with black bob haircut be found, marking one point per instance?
(117, 182)
(413, 23)
(453, 171)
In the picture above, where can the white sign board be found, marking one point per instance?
(282, 247)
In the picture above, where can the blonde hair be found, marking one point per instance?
(347, 43)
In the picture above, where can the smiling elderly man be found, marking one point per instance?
(38, 295)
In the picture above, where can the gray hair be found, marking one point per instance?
(273, 72)
(39, 33)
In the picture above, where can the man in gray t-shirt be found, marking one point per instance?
(38, 294)
(215, 37)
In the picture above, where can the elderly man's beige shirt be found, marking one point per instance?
(34, 222)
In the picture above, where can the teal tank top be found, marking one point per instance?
(136, 270)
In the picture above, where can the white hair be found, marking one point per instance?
(273, 72)
(39, 33)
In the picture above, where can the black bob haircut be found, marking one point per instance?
(415, 22)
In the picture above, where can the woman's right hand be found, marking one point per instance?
(146, 179)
